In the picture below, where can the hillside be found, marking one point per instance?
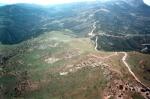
(86, 50)
(58, 65)
(115, 20)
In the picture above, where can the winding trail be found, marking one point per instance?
(94, 27)
(92, 35)
(96, 44)
(124, 58)
(127, 65)
(106, 57)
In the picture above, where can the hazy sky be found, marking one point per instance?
(147, 1)
(41, 1)
(49, 1)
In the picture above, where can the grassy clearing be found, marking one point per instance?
(56, 44)
(79, 85)
(44, 77)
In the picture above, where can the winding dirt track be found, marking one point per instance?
(96, 45)
(127, 65)
(94, 27)
(124, 58)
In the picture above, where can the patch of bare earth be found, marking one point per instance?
(51, 60)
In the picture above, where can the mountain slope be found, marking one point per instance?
(116, 17)
(72, 51)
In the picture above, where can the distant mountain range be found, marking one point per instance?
(129, 19)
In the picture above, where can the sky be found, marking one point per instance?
(147, 2)
(45, 2)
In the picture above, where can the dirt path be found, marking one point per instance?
(106, 57)
(91, 34)
(127, 65)
(124, 58)
(96, 43)
(94, 27)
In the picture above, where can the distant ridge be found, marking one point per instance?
(115, 19)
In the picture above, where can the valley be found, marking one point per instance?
(77, 51)
(57, 58)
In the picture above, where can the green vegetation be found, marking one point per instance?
(49, 54)
(140, 65)
(41, 78)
